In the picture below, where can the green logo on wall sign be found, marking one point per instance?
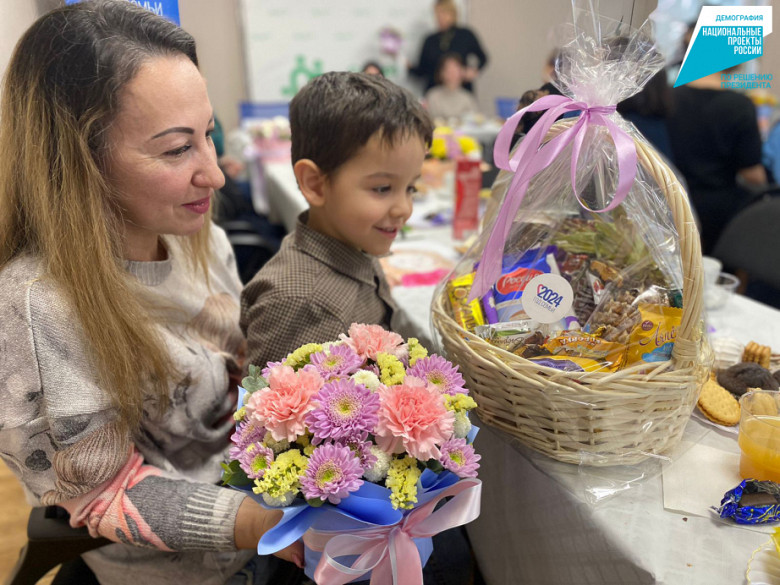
(300, 74)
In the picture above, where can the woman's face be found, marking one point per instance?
(162, 165)
(444, 17)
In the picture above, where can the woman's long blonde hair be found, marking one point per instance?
(60, 93)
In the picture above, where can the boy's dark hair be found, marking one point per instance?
(336, 114)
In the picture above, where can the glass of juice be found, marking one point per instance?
(759, 435)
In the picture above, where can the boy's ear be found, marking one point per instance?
(311, 181)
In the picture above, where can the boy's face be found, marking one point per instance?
(369, 198)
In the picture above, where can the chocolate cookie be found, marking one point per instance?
(738, 378)
(776, 376)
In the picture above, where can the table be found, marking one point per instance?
(536, 526)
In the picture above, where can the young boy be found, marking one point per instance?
(358, 144)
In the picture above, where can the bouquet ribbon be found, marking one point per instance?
(531, 157)
(389, 551)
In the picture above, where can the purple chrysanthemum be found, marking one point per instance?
(338, 360)
(439, 372)
(345, 410)
(459, 457)
(361, 450)
(255, 460)
(332, 473)
(247, 432)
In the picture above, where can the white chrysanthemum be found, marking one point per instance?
(276, 446)
(328, 344)
(367, 379)
(462, 425)
(280, 502)
(379, 470)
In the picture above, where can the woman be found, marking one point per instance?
(119, 336)
(449, 39)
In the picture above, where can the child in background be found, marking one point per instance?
(449, 99)
(358, 144)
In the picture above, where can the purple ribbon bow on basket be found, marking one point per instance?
(531, 157)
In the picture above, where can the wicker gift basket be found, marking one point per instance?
(603, 417)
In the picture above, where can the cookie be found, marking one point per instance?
(718, 405)
(738, 378)
(762, 404)
(758, 354)
(776, 376)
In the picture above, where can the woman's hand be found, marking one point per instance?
(252, 521)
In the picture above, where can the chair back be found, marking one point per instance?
(751, 241)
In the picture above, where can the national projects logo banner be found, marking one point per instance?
(726, 36)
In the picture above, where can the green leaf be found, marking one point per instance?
(254, 381)
(315, 502)
(232, 474)
(434, 466)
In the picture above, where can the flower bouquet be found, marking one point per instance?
(357, 441)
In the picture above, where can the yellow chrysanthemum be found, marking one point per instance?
(416, 351)
(402, 480)
(459, 402)
(438, 148)
(300, 357)
(391, 369)
(467, 144)
(283, 476)
(240, 414)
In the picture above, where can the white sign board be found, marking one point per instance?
(287, 42)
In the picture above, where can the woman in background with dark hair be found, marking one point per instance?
(649, 110)
(120, 347)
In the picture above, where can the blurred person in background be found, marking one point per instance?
(716, 145)
(449, 99)
(372, 68)
(649, 111)
(450, 38)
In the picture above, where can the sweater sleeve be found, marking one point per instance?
(59, 435)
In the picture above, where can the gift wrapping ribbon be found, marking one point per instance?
(389, 551)
(531, 157)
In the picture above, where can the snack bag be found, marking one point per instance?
(584, 228)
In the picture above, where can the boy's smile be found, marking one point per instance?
(368, 199)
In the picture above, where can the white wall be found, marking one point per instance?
(516, 35)
(514, 32)
(15, 17)
(214, 24)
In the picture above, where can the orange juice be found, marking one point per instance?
(759, 440)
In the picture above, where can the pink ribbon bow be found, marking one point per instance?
(531, 157)
(389, 551)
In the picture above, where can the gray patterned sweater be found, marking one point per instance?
(154, 493)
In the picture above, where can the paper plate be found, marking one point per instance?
(764, 566)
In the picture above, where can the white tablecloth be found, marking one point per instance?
(540, 527)
(538, 524)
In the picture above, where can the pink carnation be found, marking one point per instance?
(282, 407)
(369, 340)
(412, 417)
